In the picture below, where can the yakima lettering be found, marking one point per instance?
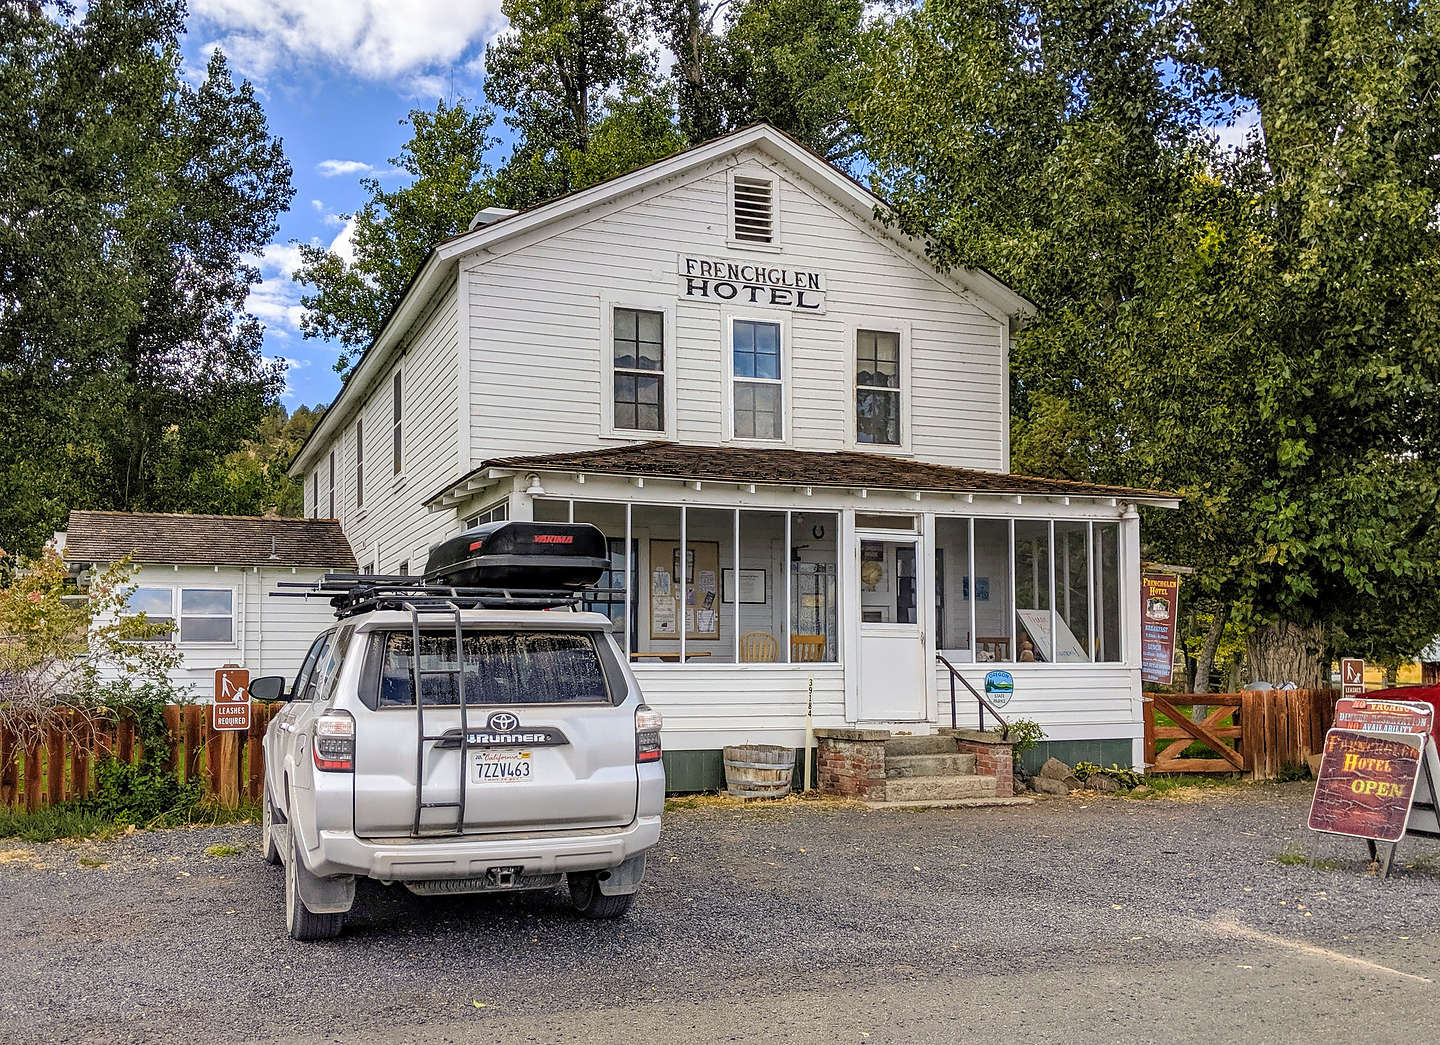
(554, 538)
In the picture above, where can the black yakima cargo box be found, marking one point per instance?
(521, 555)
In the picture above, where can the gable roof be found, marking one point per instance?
(441, 262)
(206, 540)
(840, 468)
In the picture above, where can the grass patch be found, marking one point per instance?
(1293, 857)
(219, 851)
(1183, 787)
(92, 861)
(73, 820)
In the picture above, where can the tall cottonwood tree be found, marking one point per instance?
(1254, 330)
(127, 361)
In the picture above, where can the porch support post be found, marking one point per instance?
(925, 610)
(974, 642)
(1054, 630)
(735, 588)
(849, 614)
(632, 572)
(789, 516)
(680, 583)
(1092, 623)
(1013, 630)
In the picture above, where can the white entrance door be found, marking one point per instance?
(892, 648)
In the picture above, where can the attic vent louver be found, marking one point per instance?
(754, 206)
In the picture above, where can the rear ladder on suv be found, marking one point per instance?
(451, 612)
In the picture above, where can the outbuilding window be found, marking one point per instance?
(158, 606)
(639, 347)
(207, 615)
(759, 387)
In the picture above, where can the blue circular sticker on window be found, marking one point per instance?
(999, 687)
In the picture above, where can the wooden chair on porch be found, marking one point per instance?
(990, 650)
(758, 647)
(807, 649)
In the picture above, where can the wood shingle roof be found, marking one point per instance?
(207, 540)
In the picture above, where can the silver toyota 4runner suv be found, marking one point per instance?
(530, 757)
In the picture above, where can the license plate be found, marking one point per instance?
(501, 767)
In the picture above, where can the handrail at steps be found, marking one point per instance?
(984, 704)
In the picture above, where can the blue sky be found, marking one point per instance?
(336, 78)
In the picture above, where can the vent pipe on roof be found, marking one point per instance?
(489, 216)
(274, 554)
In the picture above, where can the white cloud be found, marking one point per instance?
(344, 243)
(275, 300)
(1238, 131)
(336, 168)
(375, 39)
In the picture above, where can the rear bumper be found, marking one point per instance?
(427, 859)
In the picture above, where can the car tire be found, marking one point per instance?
(588, 900)
(303, 923)
(269, 849)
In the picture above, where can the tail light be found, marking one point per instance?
(647, 733)
(334, 747)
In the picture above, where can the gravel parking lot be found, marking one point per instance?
(1096, 915)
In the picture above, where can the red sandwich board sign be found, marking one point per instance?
(1352, 677)
(1378, 775)
(231, 710)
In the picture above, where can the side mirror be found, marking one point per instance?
(268, 688)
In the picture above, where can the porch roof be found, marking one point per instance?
(206, 540)
(760, 465)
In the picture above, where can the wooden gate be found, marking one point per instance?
(1259, 732)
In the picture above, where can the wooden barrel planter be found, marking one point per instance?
(758, 770)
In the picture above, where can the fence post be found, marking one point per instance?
(32, 778)
(55, 766)
(9, 774)
(229, 769)
(1147, 712)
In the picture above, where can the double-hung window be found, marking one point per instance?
(758, 386)
(395, 433)
(877, 387)
(360, 464)
(207, 615)
(639, 365)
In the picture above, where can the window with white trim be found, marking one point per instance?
(758, 388)
(877, 387)
(395, 427)
(752, 208)
(207, 615)
(315, 500)
(332, 485)
(639, 366)
(360, 463)
(158, 606)
(497, 512)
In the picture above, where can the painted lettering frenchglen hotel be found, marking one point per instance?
(752, 283)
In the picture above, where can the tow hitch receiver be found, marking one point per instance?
(502, 877)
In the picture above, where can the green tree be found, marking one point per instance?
(1254, 330)
(256, 475)
(579, 89)
(395, 229)
(127, 360)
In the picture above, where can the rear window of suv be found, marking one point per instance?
(500, 667)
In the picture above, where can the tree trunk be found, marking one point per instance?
(1285, 652)
(1206, 660)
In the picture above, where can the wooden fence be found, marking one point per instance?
(229, 764)
(1258, 732)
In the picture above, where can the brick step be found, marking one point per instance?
(939, 788)
(927, 745)
(897, 766)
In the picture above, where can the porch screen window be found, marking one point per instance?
(758, 389)
(395, 427)
(1072, 592)
(639, 347)
(359, 464)
(1105, 561)
(207, 615)
(1034, 584)
(877, 387)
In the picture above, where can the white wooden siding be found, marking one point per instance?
(536, 335)
(394, 526)
(1070, 701)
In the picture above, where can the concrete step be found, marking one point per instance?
(926, 745)
(939, 788)
(897, 766)
(954, 803)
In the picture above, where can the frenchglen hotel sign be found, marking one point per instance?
(751, 282)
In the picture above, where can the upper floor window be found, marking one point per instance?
(639, 348)
(758, 388)
(332, 485)
(877, 387)
(360, 463)
(315, 500)
(395, 427)
(752, 208)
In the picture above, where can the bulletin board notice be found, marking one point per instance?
(694, 597)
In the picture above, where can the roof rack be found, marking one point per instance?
(355, 593)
